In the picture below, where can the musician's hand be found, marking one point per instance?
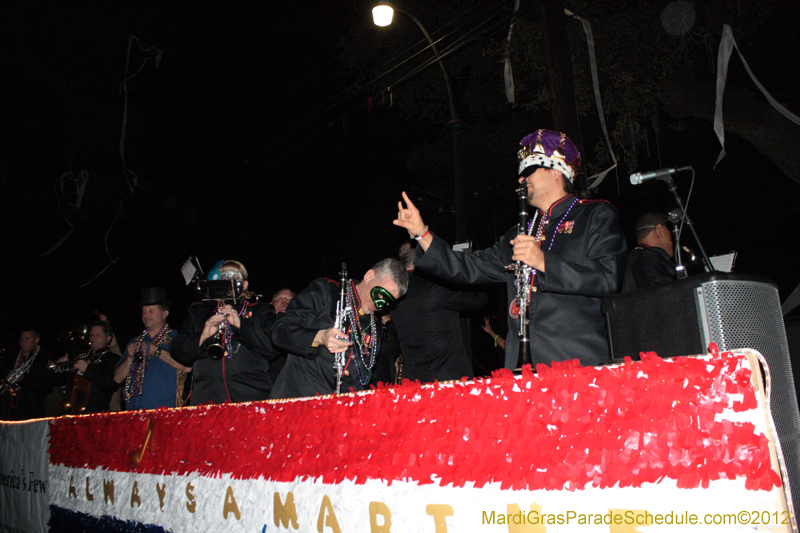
(408, 217)
(527, 250)
(210, 328)
(231, 314)
(103, 318)
(81, 365)
(62, 359)
(331, 339)
(130, 350)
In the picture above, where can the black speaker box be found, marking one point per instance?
(732, 310)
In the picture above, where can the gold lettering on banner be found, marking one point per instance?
(108, 491)
(135, 498)
(284, 513)
(439, 512)
(327, 518)
(191, 505)
(627, 520)
(72, 492)
(519, 522)
(89, 495)
(162, 491)
(379, 508)
(230, 505)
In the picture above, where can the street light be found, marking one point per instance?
(382, 15)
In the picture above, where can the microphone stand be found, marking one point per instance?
(680, 270)
(684, 217)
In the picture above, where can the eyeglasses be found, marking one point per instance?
(381, 298)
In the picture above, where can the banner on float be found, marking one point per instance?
(24, 486)
(656, 443)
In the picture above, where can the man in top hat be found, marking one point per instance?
(149, 373)
(575, 250)
(650, 263)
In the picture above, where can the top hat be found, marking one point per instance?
(154, 296)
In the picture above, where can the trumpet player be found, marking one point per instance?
(227, 343)
(95, 367)
(23, 379)
(574, 248)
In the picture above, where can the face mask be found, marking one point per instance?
(381, 298)
(229, 273)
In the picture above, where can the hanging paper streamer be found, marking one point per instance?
(726, 46)
(61, 189)
(508, 75)
(131, 178)
(596, 179)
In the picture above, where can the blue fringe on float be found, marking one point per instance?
(66, 521)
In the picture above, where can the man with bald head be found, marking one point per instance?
(306, 331)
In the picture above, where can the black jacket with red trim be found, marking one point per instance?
(585, 252)
(309, 370)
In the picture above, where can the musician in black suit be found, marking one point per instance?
(650, 263)
(96, 369)
(26, 370)
(427, 322)
(306, 331)
(242, 374)
(575, 248)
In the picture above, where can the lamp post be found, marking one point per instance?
(382, 15)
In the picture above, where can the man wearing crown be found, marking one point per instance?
(574, 247)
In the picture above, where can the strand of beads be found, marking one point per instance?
(228, 335)
(555, 232)
(364, 349)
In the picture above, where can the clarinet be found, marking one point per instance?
(341, 315)
(523, 272)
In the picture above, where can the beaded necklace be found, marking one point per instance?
(540, 230)
(20, 369)
(18, 363)
(364, 347)
(134, 383)
(227, 336)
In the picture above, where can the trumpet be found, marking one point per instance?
(215, 349)
(67, 366)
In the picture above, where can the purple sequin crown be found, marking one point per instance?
(549, 149)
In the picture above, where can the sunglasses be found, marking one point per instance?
(381, 298)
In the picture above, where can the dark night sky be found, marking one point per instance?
(234, 158)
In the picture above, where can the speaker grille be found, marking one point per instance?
(743, 314)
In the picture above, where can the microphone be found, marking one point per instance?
(661, 174)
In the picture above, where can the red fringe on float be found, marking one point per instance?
(563, 428)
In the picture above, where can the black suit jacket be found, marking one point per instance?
(427, 322)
